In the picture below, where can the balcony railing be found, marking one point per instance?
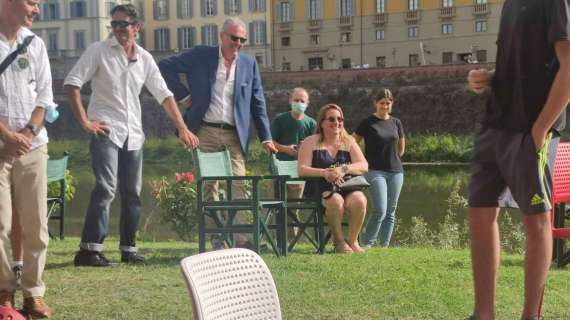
(412, 16)
(345, 21)
(314, 24)
(380, 18)
(481, 9)
(285, 26)
(447, 12)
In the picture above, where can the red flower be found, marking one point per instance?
(189, 176)
(181, 176)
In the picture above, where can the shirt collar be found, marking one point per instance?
(20, 35)
(112, 42)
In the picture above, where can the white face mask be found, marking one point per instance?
(298, 107)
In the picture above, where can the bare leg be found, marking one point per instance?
(485, 259)
(356, 206)
(537, 260)
(334, 210)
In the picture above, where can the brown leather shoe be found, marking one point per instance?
(7, 298)
(37, 308)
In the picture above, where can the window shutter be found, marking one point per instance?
(203, 36)
(238, 7)
(263, 32)
(226, 7)
(252, 33)
(215, 4)
(192, 36)
(215, 35)
(292, 10)
(203, 9)
(279, 13)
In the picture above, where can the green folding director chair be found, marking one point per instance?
(56, 203)
(310, 209)
(216, 166)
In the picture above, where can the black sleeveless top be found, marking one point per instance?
(322, 159)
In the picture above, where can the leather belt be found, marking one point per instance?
(224, 126)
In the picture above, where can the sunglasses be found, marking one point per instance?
(335, 119)
(236, 38)
(123, 24)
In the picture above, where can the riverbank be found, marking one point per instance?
(425, 148)
(394, 283)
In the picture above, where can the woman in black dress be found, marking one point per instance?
(331, 154)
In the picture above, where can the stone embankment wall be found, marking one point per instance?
(427, 98)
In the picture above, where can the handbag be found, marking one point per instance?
(351, 183)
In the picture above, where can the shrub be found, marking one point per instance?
(177, 203)
(70, 183)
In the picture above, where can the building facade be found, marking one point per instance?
(172, 26)
(69, 26)
(332, 34)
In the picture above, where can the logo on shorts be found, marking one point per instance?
(536, 200)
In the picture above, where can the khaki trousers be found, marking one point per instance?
(214, 140)
(23, 188)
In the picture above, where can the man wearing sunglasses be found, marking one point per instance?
(118, 69)
(223, 94)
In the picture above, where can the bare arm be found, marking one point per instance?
(92, 127)
(401, 146)
(37, 120)
(186, 137)
(306, 158)
(558, 98)
(359, 164)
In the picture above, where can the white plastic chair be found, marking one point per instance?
(230, 284)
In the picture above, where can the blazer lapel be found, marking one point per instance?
(239, 79)
(214, 66)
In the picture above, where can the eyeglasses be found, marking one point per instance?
(335, 119)
(236, 38)
(122, 24)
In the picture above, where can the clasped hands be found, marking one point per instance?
(334, 175)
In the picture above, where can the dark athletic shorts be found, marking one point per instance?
(508, 171)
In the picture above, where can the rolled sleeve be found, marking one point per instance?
(44, 98)
(154, 81)
(85, 67)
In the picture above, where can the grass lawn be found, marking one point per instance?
(395, 283)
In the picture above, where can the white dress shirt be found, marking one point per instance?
(25, 85)
(221, 108)
(116, 84)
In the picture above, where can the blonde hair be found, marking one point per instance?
(344, 136)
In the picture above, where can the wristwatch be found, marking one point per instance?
(344, 168)
(34, 129)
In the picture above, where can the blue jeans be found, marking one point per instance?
(111, 163)
(384, 192)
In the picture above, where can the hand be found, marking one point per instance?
(269, 147)
(538, 136)
(333, 175)
(27, 132)
(17, 144)
(291, 150)
(188, 139)
(479, 80)
(97, 127)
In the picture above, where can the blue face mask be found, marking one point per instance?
(52, 114)
(298, 107)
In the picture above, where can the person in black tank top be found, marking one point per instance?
(331, 154)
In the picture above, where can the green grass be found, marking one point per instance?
(395, 283)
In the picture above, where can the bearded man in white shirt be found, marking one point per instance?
(25, 93)
(118, 69)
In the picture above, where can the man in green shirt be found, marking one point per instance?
(288, 130)
(291, 128)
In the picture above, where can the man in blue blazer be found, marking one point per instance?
(224, 93)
